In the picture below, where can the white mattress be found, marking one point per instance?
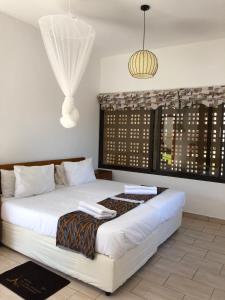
(114, 238)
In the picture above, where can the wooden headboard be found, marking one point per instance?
(38, 163)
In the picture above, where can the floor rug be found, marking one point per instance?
(32, 282)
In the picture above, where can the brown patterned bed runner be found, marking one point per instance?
(77, 230)
(140, 197)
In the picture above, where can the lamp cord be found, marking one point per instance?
(144, 33)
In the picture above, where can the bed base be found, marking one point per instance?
(103, 272)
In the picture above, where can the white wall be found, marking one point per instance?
(30, 101)
(190, 65)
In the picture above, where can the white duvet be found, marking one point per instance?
(41, 213)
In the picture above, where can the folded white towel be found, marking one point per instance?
(128, 200)
(143, 187)
(97, 216)
(96, 210)
(140, 190)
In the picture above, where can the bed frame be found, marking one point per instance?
(103, 272)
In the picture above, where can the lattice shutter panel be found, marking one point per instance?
(216, 146)
(183, 140)
(126, 138)
(222, 139)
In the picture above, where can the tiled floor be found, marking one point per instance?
(189, 266)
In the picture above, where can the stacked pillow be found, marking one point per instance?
(79, 172)
(74, 173)
(60, 176)
(33, 180)
(8, 181)
(28, 181)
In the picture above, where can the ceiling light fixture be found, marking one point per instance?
(143, 64)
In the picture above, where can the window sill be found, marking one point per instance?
(168, 174)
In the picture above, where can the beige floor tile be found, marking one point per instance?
(206, 224)
(180, 268)
(124, 292)
(204, 263)
(119, 296)
(152, 296)
(153, 260)
(200, 222)
(180, 236)
(7, 268)
(168, 243)
(189, 287)
(130, 284)
(84, 288)
(193, 226)
(222, 228)
(63, 294)
(212, 225)
(217, 257)
(220, 233)
(196, 217)
(4, 261)
(214, 231)
(181, 230)
(193, 249)
(223, 271)
(213, 246)
(220, 240)
(15, 256)
(171, 253)
(210, 230)
(215, 220)
(79, 296)
(199, 235)
(210, 279)
(7, 264)
(186, 220)
(154, 291)
(154, 274)
(191, 298)
(218, 295)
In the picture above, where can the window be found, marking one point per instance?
(126, 139)
(187, 142)
(190, 140)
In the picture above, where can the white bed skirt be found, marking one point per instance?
(103, 272)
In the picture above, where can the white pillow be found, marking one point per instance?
(34, 180)
(8, 180)
(60, 177)
(79, 172)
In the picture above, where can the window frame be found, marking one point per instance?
(154, 153)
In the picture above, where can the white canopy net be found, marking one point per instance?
(68, 42)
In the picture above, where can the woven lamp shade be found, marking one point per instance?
(143, 64)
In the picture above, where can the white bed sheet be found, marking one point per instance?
(114, 238)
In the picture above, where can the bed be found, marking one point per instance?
(123, 245)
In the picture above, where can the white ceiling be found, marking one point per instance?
(118, 23)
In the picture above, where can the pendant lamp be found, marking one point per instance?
(68, 42)
(143, 64)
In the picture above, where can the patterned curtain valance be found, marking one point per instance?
(209, 96)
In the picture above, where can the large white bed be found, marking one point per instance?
(114, 238)
(123, 245)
